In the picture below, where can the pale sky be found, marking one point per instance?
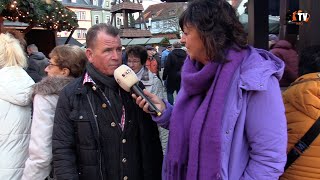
(147, 3)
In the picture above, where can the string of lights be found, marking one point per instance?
(49, 14)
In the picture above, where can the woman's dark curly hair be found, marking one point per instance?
(218, 26)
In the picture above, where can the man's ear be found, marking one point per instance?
(66, 71)
(89, 54)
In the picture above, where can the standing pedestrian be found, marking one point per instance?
(37, 62)
(15, 108)
(302, 102)
(228, 121)
(66, 63)
(99, 132)
(172, 70)
(164, 55)
(151, 63)
(137, 57)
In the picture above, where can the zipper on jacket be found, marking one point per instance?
(99, 151)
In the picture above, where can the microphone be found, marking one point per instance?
(129, 81)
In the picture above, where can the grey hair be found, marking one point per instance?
(95, 29)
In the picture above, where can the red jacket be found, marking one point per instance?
(152, 65)
(283, 49)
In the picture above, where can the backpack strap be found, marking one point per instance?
(303, 143)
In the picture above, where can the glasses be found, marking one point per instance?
(51, 64)
(133, 62)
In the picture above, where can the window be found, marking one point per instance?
(81, 33)
(157, 24)
(81, 15)
(165, 24)
(95, 2)
(78, 14)
(107, 3)
(107, 19)
(74, 1)
(172, 12)
(119, 21)
(96, 19)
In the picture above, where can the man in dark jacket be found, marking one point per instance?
(172, 70)
(99, 132)
(37, 62)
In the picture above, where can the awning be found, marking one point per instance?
(125, 42)
(160, 40)
(139, 41)
(72, 41)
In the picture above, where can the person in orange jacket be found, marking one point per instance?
(302, 103)
(151, 63)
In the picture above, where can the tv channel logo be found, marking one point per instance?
(298, 17)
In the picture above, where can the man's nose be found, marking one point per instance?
(116, 54)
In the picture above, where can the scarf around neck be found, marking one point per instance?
(100, 78)
(195, 125)
(110, 87)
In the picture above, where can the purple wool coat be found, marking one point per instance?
(254, 131)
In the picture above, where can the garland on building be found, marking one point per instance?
(48, 14)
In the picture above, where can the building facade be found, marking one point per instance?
(89, 12)
(163, 19)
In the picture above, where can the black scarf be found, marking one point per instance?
(110, 87)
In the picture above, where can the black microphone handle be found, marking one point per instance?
(139, 92)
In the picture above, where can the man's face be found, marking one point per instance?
(106, 53)
(29, 51)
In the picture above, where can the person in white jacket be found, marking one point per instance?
(15, 108)
(66, 63)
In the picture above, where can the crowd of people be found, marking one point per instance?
(239, 113)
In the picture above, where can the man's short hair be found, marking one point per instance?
(177, 44)
(95, 29)
(32, 48)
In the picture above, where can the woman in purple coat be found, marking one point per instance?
(228, 121)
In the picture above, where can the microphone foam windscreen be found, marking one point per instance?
(125, 77)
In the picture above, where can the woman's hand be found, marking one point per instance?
(153, 98)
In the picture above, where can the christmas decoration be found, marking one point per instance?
(49, 14)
